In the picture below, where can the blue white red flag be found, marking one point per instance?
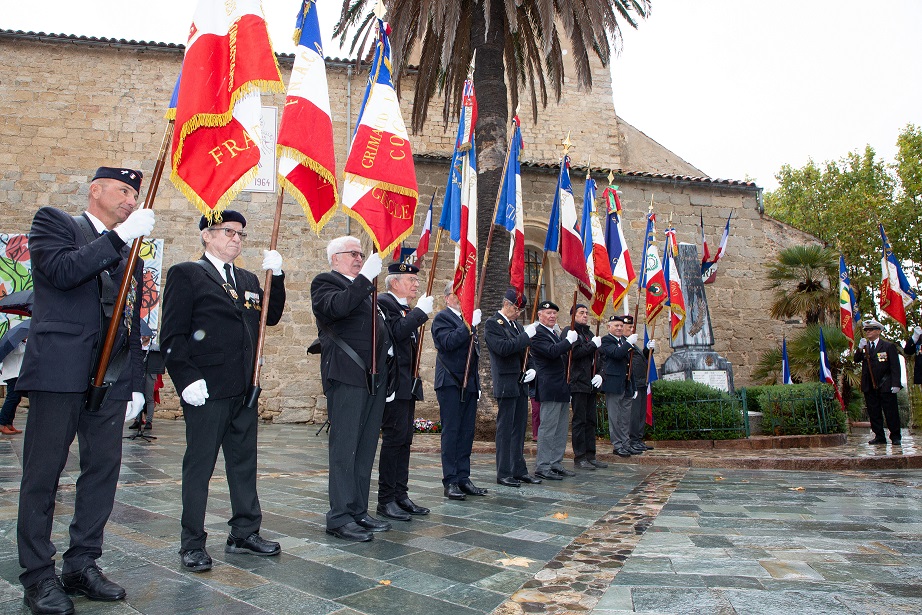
(510, 213)
(708, 264)
(597, 262)
(675, 298)
(895, 293)
(826, 372)
(619, 257)
(653, 279)
(651, 378)
(848, 309)
(422, 246)
(174, 99)
(569, 244)
(307, 163)
(785, 363)
(380, 189)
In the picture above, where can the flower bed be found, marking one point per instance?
(427, 426)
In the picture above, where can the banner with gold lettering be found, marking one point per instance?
(228, 63)
(380, 189)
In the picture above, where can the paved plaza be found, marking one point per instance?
(635, 537)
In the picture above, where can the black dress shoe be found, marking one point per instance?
(470, 488)
(549, 475)
(254, 544)
(408, 505)
(48, 597)
(648, 447)
(620, 452)
(351, 531)
(373, 525)
(635, 450)
(196, 560)
(93, 584)
(453, 492)
(135, 426)
(562, 472)
(392, 511)
(528, 478)
(598, 464)
(508, 481)
(583, 464)
(877, 441)
(148, 426)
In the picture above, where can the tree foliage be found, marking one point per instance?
(805, 283)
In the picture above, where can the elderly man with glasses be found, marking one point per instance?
(880, 382)
(342, 305)
(211, 313)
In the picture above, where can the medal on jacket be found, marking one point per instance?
(230, 291)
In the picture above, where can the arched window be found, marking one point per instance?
(533, 258)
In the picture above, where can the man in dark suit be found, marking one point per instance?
(550, 356)
(880, 382)
(344, 311)
(912, 347)
(458, 412)
(638, 368)
(506, 340)
(619, 391)
(403, 323)
(77, 266)
(211, 312)
(583, 394)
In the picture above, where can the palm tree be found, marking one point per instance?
(805, 281)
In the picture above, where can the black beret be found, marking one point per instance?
(576, 307)
(228, 215)
(402, 268)
(628, 319)
(129, 176)
(548, 305)
(515, 299)
(616, 317)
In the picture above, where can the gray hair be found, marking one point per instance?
(449, 287)
(337, 245)
(390, 279)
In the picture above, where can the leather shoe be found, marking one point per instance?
(373, 525)
(562, 472)
(648, 447)
(196, 560)
(508, 481)
(392, 511)
(453, 492)
(93, 584)
(598, 464)
(351, 531)
(582, 464)
(8, 430)
(633, 450)
(528, 478)
(549, 475)
(620, 452)
(408, 505)
(877, 441)
(470, 488)
(135, 426)
(254, 544)
(48, 597)
(148, 426)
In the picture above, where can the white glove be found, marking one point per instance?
(390, 351)
(571, 336)
(863, 343)
(479, 393)
(632, 339)
(651, 345)
(634, 396)
(134, 406)
(529, 375)
(196, 393)
(597, 381)
(894, 389)
(597, 341)
(372, 267)
(916, 333)
(138, 224)
(475, 319)
(531, 329)
(425, 304)
(391, 397)
(272, 260)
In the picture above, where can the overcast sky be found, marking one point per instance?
(735, 87)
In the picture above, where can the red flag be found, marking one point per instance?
(228, 62)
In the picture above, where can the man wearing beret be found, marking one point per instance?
(619, 390)
(583, 393)
(342, 305)
(211, 314)
(507, 340)
(402, 284)
(639, 366)
(880, 382)
(78, 263)
(458, 410)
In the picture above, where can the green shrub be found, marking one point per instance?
(688, 410)
(800, 409)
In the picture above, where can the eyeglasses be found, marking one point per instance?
(228, 232)
(353, 254)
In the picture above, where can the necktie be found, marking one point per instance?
(873, 346)
(229, 276)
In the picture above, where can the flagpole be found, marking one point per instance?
(630, 356)
(534, 308)
(97, 389)
(429, 282)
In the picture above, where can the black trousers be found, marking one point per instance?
(396, 440)
(585, 422)
(53, 421)
(882, 405)
(458, 424)
(355, 421)
(227, 424)
(511, 421)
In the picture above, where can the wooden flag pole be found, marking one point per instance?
(534, 311)
(572, 328)
(422, 330)
(630, 356)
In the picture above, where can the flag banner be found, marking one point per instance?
(785, 363)
(709, 265)
(171, 110)
(228, 63)
(675, 299)
(585, 237)
(651, 378)
(826, 372)
(379, 189)
(848, 311)
(569, 244)
(510, 213)
(422, 246)
(597, 263)
(653, 280)
(307, 163)
(895, 293)
(619, 257)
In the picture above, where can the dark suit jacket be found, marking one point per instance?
(452, 340)
(640, 362)
(581, 366)
(910, 349)
(346, 308)
(549, 356)
(507, 351)
(614, 352)
(884, 363)
(208, 335)
(403, 324)
(67, 320)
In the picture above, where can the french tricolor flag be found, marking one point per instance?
(895, 292)
(619, 257)
(786, 363)
(594, 249)
(826, 372)
(510, 214)
(563, 234)
(652, 377)
(307, 163)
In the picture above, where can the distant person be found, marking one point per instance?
(912, 347)
(583, 393)
(9, 373)
(150, 382)
(880, 382)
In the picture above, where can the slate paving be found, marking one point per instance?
(650, 538)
